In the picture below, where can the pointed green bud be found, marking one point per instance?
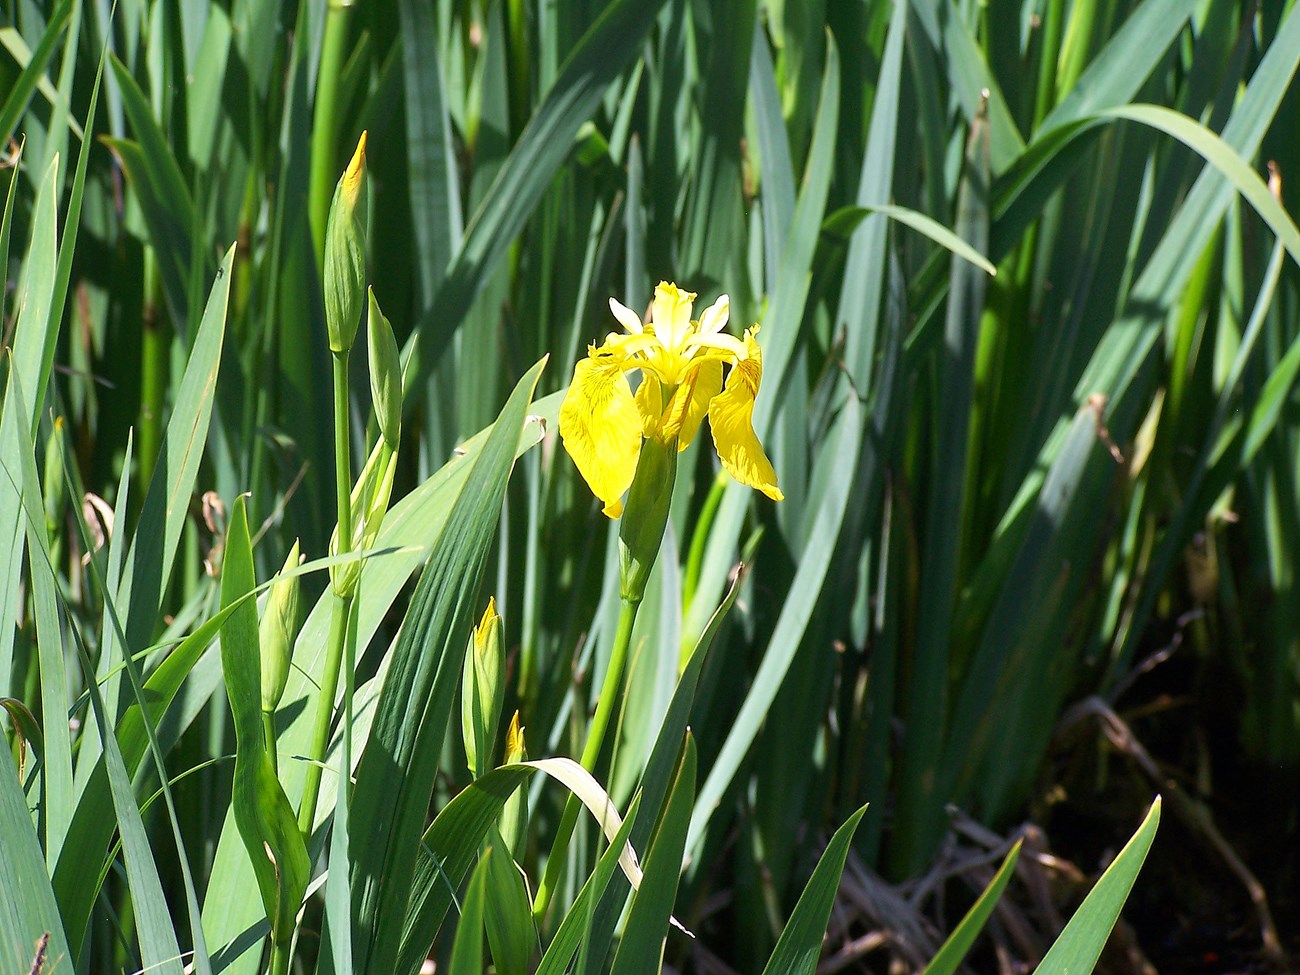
(642, 530)
(370, 497)
(483, 691)
(345, 253)
(278, 631)
(385, 374)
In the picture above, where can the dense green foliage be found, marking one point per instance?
(1001, 491)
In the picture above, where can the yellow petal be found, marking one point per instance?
(731, 415)
(649, 402)
(601, 428)
(707, 384)
(671, 313)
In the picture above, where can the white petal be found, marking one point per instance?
(629, 319)
(715, 318)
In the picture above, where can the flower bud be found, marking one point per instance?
(385, 374)
(278, 631)
(646, 514)
(514, 815)
(345, 253)
(370, 497)
(483, 690)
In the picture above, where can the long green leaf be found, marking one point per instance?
(140, 591)
(954, 949)
(15, 103)
(262, 811)
(800, 944)
(1079, 946)
(599, 57)
(396, 773)
(647, 921)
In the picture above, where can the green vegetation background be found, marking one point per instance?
(1004, 493)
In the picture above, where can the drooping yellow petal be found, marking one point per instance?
(707, 385)
(731, 415)
(601, 428)
(649, 402)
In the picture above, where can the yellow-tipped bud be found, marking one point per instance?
(483, 690)
(514, 815)
(345, 253)
(385, 374)
(279, 628)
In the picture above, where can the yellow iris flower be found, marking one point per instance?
(681, 361)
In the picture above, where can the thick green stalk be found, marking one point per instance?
(340, 609)
(610, 692)
(324, 134)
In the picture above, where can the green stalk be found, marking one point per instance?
(340, 609)
(280, 958)
(268, 736)
(153, 369)
(610, 692)
(324, 135)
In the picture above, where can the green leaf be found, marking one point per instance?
(604, 51)
(800, 944)
(262, 811)
(449, 847)
(508, 912)
(467, 949)
(36, 292)
(641, 949)
(139, 595)
(1223, 157)
(954, 949)
(396, 773)
(27, 906)
(166, 203)
(15, 103)
(1076, 950)
(843, 221)
(569, 935)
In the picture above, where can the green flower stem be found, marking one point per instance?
(280, 958)
(342, 605)
(268, 737)
(610, 693)
(324, 135)
(153, 370)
